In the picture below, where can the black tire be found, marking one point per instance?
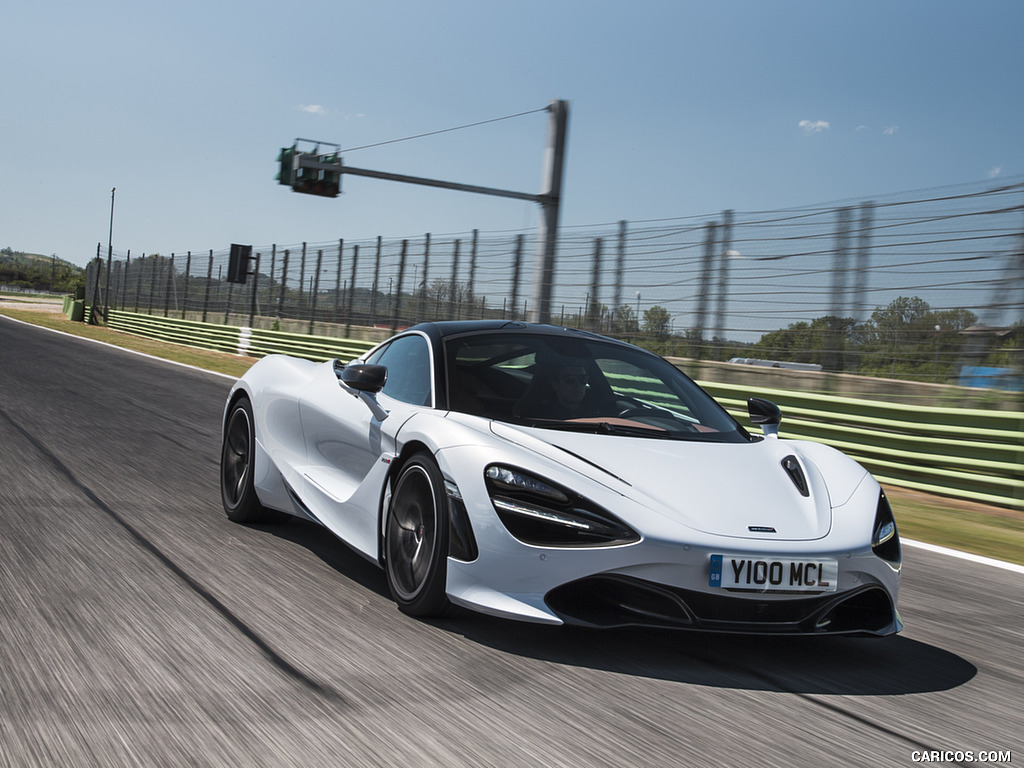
(237, 464)
(416, 539)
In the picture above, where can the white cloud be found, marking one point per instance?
(862, 128)
(313, 109)
(891, 130)
(814, 126)
(994, 171)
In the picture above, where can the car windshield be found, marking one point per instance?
(582, 385)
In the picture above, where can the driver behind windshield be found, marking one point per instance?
(559, 390)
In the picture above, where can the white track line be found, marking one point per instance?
(964, 555)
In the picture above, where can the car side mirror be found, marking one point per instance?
(364, 380)
(765, 414)
(362, 377)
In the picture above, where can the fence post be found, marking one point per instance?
(516, 271)
(152, 282)
(270, 281)
(398, 294)
(373, 288)
(337, 279)
(209, 283)
(284, 284)
(227, 304)
(421, 289)
(124, 279)
(184, 300)
(255, 290)
(167, 286)
(302, 281)
(316, 291)
(140, 271)
(451, 290)
(351, 291)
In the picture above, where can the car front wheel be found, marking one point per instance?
(416, 539)
(237, 464)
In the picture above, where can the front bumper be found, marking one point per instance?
(663, 579)
(620, 601)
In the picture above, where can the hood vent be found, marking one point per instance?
(796, 474)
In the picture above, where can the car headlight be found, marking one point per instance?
(885, 539)
(539, 512)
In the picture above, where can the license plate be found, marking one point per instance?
(773, 574)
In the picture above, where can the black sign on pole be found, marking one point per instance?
(238, 263)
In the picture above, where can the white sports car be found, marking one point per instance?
(556, 476)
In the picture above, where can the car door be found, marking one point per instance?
(349, 449)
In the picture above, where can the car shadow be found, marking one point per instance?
(849, 666)
(839, 665)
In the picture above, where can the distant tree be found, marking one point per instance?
(907, 339)
(624, 320)
(40, 273)
(657, 322)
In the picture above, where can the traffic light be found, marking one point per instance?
(305, 178)
(312, 178)
(330, 184)
(311, 173)
(286, 158)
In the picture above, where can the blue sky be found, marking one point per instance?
(677, 108)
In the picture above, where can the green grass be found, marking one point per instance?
(988, 531)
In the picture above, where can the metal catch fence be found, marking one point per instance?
(918, 286)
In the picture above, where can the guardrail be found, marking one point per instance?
(251, 342)
(965, 453)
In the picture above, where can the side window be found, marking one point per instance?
(408, 361)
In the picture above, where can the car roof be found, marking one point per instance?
(443, 329)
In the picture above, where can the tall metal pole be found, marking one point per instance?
(593, 310)
(840, 273)
(110, 258)
(619, 266)
(549, 199)
(862, 256)
(544, 273)
(472, 267)
(515, 275)
(723, 277)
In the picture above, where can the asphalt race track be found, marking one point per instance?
(139, 627)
